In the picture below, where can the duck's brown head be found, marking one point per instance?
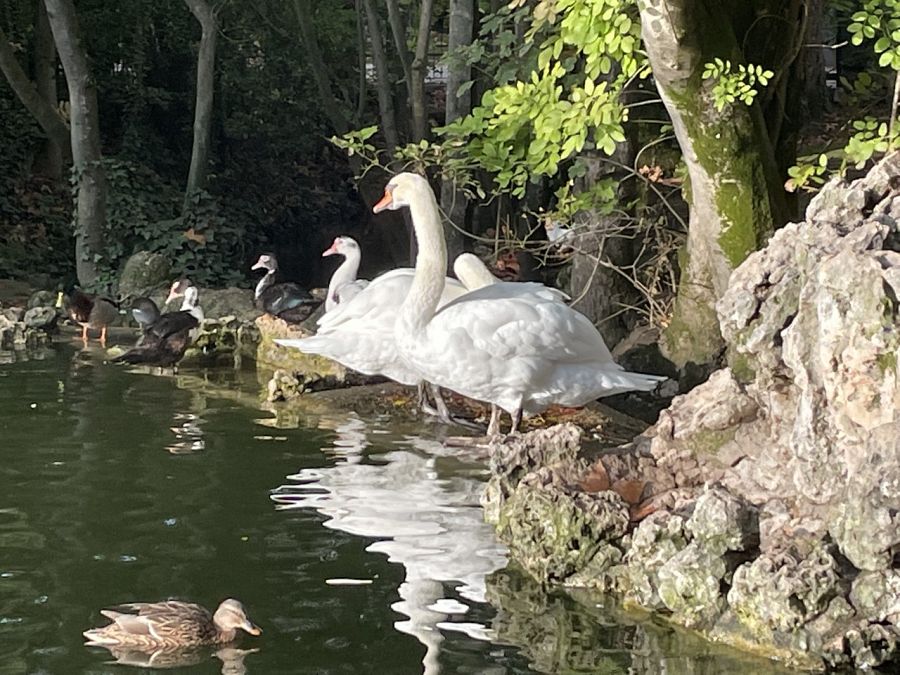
(231, 615)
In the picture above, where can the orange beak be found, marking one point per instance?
(331, 251)
(384, 202)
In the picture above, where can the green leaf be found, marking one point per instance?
(464, 87)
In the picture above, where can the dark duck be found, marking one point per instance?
(167, 336)
(89, 311)
(286, 300)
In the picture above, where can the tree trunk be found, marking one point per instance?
(418, 68)
(383, 75)
(398, 29)
(735, 192)
(47, 116)
(604, 251)
(361, 61)
(85, 140)
(453, 200)
(320, 72)
(45, 81)
(206, 67)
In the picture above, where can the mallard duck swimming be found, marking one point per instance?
(151, 625)
(89, 311)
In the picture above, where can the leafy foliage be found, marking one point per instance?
(879, 20)
(570, 99)
(878, 23)
(735, 84)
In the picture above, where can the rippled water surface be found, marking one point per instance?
(356, 543)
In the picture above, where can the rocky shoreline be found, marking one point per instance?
(762, 510)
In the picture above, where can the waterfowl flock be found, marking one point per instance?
(515, 345)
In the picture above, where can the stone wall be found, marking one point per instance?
(763, 509)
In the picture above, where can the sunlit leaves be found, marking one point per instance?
(879, 20)
(568, 102)
(735, 84)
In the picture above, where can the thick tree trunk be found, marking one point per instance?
(85, 139)
(203, 110)
(453, 200)
(383, 75)
(735, 193)
(45, 80)
(46, 114)
(320, 72)
(418, 69)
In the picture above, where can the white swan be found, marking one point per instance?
(359, 334)
(343, 284)
(520, 352)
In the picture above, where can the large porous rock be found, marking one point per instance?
(781, 590)
(296, 372)
(231, 301)
(222, 341)
(41, 299)
(144, 273)
(40, 317)
(553, 528)
(769, 509)
(16, 334)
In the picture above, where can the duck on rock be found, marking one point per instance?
(171, 624)
(165, 337)
(89, 311)
(286, 300)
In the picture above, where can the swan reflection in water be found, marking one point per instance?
(425, 501)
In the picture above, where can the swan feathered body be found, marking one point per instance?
(359, 334)
(522, 352)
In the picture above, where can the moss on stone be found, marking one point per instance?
(741, 365)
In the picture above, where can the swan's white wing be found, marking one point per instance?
(511, 289)
(366, 352)
(350, 290)
(517, 348)
(530, 318)
(359, 334)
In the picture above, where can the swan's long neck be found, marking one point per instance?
(344, 274)
(431, 262)
(267, 280)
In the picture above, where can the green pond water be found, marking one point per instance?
(356, 543)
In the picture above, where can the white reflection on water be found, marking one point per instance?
(188, 434)
(425, 504)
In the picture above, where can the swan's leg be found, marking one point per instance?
(84, 335)
(443, 411)
(424, 405)
(103, 336)
(516, 420)
(494, 425)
